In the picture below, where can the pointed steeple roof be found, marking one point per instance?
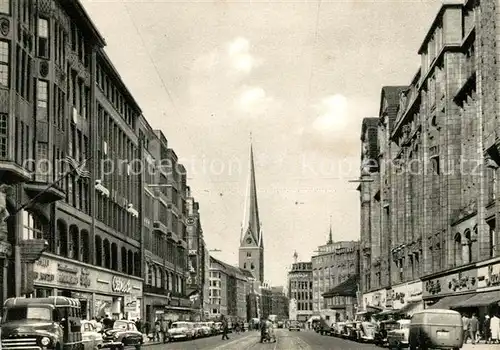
(251, 220)
(330, 236)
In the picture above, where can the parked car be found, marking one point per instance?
(181, 331)
(124, 333)
(436, 328)
(198, 329)
(397, 338)
(205, 329)
(350, 330)
(365, 331)
(91, 338)
(340, 329)
(294, 326)
(382, 329)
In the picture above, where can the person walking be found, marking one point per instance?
(465, 324)
(225, 329)
(486, 329)
(263, 325)
(473, 328)
(494, 328)
(164, 330)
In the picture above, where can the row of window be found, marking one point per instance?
(162, 278)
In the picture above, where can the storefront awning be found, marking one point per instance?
(447, 302)
(481, 299)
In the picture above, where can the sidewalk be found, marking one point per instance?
(481, 346)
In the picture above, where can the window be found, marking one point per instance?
(43, 38)
(32, 228)
(458, 249)
(249, 254)
(42, 93)
(5, 6)
(4, 63)
(493, 238)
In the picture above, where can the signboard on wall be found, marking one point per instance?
(459, 282)
(405, 293)
(488, 277)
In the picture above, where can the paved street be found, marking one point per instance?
(305, 340)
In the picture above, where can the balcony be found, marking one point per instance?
(160, 226)
(44, 194)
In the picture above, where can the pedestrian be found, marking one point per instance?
(164, 330)
(494, 328)
(263, 325)
(465, 324)
(473, 328)
(486, 329)
(225, 329)
(157, 331)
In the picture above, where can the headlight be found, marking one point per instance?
(116, 335)
(45, 341)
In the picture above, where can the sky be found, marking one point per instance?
(298, 75)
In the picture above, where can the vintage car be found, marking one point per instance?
(41, 323)
(382, 329)
(397, 338)
(198, 329)
(91, 337)
(206, 330)
(339, 329)
(349, 330)
(123, 334)
(181, 331)
(436, 329)
(365, 331)
(294, 326)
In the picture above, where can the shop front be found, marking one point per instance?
(100, 291)
(485, 300)
(169, 308)
(450, 290)
(405, 299)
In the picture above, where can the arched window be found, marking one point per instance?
(107, 253)
(74, 243)
(124, 260)
(130, 269)
(153, 275)
(457, 249)
(166, 280)
(252, 266)
(114, 257)
(85, 246)
(170, 281)
(98, 251)
(137, 265)
(158, 277)
(61, 238)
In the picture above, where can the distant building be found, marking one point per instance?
(279, 303)
(300, 290)
(228, 290)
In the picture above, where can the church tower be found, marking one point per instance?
(251, 251)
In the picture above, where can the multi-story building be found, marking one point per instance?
(341, 302)
(197, 269)
(440, 196)
(164, 250)
(66, 108)
(300, 290)
(229, 287)
(279, 303)
(332, 265)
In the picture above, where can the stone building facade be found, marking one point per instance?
(434, 186)
(300, 291)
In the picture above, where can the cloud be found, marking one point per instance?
(253, 100)
(333, 128)
(240, 57)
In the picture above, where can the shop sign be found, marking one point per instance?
(488, 276)
(462, 281)
(120, 285)
(376, 299)
(299, 275)
(130, 303)
(51, 272)
(405, 293)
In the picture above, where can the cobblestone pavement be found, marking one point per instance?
(304, 340)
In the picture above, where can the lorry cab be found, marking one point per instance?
(436, 328)
(41, 323)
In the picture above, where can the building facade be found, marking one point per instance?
(229, 287)
(300, 291)
(279, 303)
(437, 192)
(334, 263)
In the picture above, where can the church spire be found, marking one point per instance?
(330, 236)
(251, 223)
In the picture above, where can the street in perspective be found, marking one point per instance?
(249, 174)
